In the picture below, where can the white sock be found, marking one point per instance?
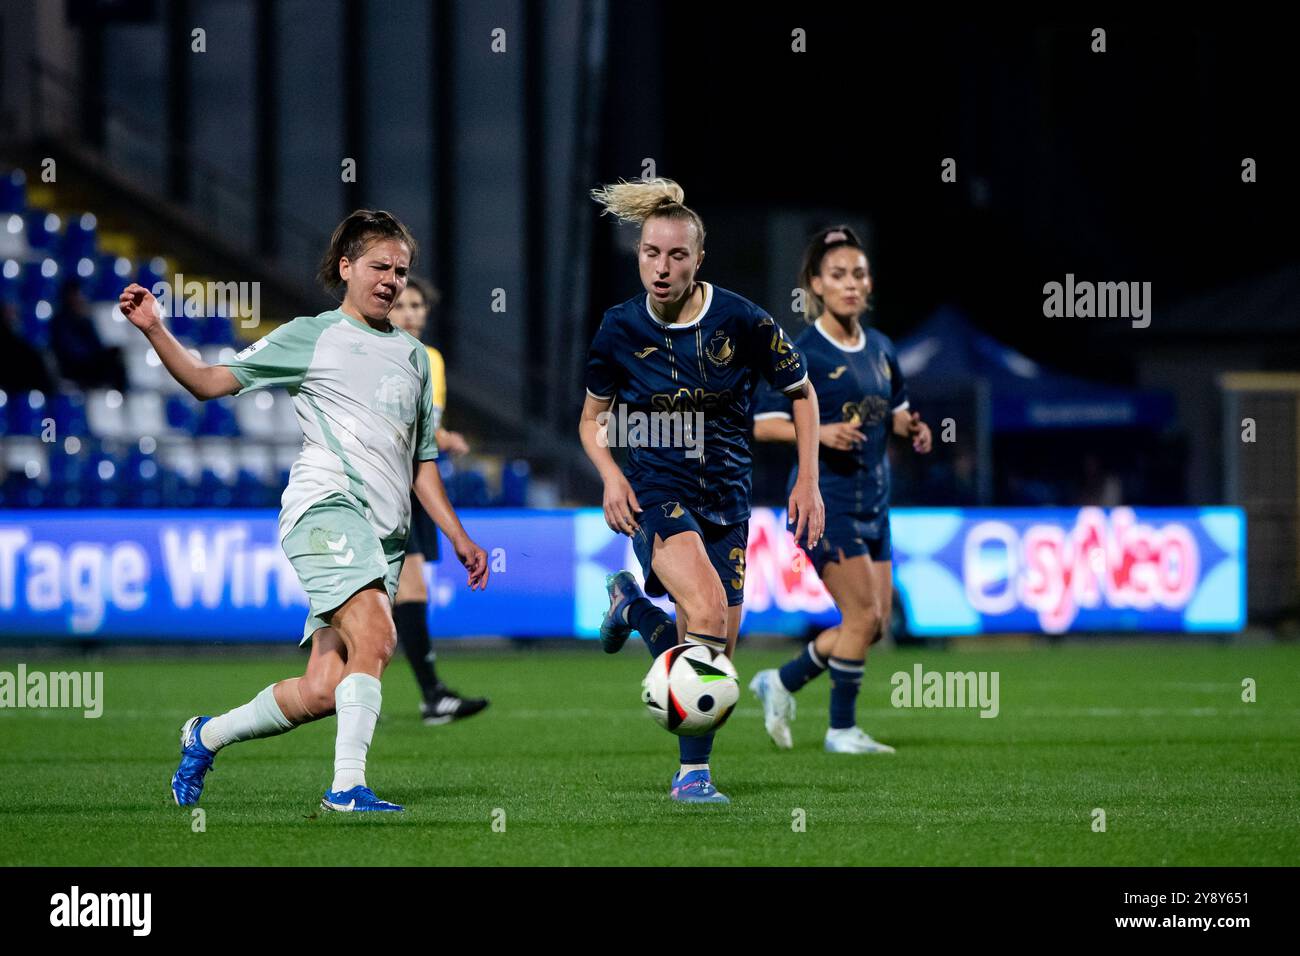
(260, 717)
(688, 767)
(357, 701)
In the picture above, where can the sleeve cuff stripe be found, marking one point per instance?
(599, 398)
(799, 384)
(762, 415)
(899, 408)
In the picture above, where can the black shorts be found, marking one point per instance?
(724, 543)
(423, 538)
(854, 535)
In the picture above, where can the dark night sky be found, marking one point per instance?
(1116, 166)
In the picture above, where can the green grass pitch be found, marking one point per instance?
(1155, 734)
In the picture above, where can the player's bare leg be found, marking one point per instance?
(883, 578)
(733, 627)
(683, 566)
(365, 623)
(311, 696)
(853, 585)
(276, 710)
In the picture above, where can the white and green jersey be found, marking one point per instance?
(365, 403)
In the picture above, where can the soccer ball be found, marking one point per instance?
(691, 689)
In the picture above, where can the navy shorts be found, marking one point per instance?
(423, 538)
(854, 535)
(724, 543)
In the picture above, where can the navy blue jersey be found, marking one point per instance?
(861, 384)
(711, 365)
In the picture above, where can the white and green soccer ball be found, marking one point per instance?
(691, 689)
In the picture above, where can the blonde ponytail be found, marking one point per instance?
(640, 200)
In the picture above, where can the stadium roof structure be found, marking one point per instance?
(948, 357)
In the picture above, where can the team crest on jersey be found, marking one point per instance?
(870, 411)
(395, 397)
(720, 350)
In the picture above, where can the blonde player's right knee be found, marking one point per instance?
(707, 612)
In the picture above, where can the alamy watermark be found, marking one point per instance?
(129, 910)
(75, 690)
(923, 688)
(1098, 300)
(620, 428)
(194, 299)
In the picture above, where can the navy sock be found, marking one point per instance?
(719, 644)
(846, 678)
(411, 620)
(795, 673)
(655, 627)
(695, 749)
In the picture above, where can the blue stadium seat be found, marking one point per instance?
(68, 472)
(13, 192)
(105, 481)
(40, 281)
(465, 488)
(28, 412)
(213, 492)
(11, 281)
(112, 275)
(183, 414)
(183, 326)
(144, 480)
(68, 409)
(216, 330)
(80, 239)
(218, 419)
(514, 484)
(36, 323)
(150, 274)
(178, 491)
(43, 231)
(250, 490)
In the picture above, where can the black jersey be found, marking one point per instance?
(712, 366)
(861, 384)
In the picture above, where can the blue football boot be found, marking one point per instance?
(696, 787)
(356, 800)
(614, 631)
(196, 761)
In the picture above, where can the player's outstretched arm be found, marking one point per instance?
(621, 506)
(201, 380)
(432, 495)
(805, 506)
